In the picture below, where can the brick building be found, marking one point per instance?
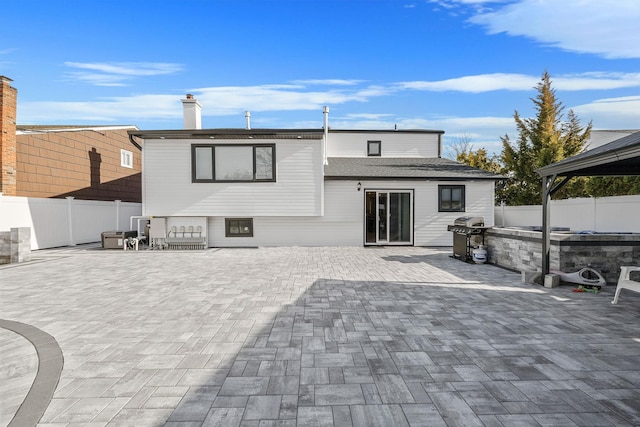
(86, 162)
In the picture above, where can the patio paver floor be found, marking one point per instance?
(319, 336)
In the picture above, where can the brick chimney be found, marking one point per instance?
(8, 163)
(192, 114)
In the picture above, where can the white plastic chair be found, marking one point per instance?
(624, 282)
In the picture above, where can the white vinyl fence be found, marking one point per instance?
(606, 214)
(65, 222)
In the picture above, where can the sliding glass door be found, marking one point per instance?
(389, 217)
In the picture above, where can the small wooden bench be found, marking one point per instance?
(625, 282)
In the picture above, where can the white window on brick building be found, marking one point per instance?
(126, 159)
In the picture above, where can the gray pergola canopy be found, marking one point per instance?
(617, 158)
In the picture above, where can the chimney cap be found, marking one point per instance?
(189, 96)
(5, 79)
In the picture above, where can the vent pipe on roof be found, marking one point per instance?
(192, 113)
(247, 117)
(325, 111)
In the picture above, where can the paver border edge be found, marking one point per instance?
(50, 362)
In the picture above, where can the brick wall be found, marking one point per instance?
(85, 164)
(8, 102)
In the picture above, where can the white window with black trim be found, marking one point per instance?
(238, 227)
(374, 148)
(233, 163)
(451, 198)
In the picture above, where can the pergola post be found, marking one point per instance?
(547, 191)
(547, 182)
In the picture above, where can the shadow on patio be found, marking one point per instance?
(466, 346)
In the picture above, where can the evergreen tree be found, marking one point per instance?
(462, 151)
(542, 140)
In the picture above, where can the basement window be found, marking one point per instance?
(238, 227)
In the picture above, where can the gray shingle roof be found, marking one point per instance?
(402, 168)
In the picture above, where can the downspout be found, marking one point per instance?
(142, 185)
(138, 146)
(325, 161)
(325, 111)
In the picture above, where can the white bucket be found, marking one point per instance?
(479, 255)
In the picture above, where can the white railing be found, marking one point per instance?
(65, 222)
(605, 214)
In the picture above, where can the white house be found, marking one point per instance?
(306, 187)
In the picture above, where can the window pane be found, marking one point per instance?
(264, 162)
(234, 163)
(245, 227)
(234, 227)
(456, 198)
(374, 148)
(204, 165)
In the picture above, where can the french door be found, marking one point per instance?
(389, 217)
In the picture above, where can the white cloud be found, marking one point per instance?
(611, 113)
(127, 109)
(596, 81)
(476, 84)
(604, 28)
(367, 116)
(115, 74)
(216, 101)
(522, 82)
(284, 100)
(329, 82)
(227, 100)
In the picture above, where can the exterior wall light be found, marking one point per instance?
(359, 186)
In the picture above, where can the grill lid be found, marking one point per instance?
(469, 221)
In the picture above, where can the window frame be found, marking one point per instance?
(126, 158)
(194, 147)
(374, 143)
(450, 188)
(227, 227)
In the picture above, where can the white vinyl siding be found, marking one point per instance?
(431, 225)
(169, 190)
(393, 144)
(343, 222)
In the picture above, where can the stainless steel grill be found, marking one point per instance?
(464, 229)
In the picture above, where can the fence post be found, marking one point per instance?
(595, 214)
(70, 219)
(118, 214)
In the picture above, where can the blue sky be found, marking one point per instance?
(462, 66)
